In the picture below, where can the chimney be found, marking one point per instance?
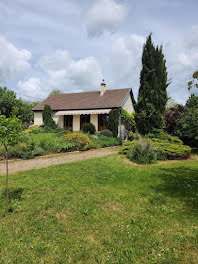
(102, 88)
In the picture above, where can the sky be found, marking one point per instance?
(72, 45)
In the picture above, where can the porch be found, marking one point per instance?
(73, 120)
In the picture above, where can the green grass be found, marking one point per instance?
(104, 210)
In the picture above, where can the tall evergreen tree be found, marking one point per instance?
(152, 97)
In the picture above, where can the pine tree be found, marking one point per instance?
(152, 97)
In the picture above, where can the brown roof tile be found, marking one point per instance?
(85, 100)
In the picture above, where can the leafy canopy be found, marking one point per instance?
(10, 130)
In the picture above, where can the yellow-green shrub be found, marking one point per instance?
(82, 141)
(31, 129)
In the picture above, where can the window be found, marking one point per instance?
(102, 121)
(84, 119)
(68, 122)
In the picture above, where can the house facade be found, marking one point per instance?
(70, 111)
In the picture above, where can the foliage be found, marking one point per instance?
(182, 121)
(57, 144)
(133, 136)
(128, 145)
(165, 149)
(152, 97)
(10, 105)
(128, 120)
(194, 81)
(160, 134)
(102, 210)
(106, 133)
(104, 141)
(82, 141)
(187, 124)
(142, 153)
(55, 91)
(113, 121)
(172, 115)
(47, 117)
(10, 129)
(89, 128)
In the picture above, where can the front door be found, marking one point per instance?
(102, 121)
(68, 122)
(84, 119)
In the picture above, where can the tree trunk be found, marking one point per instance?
(7, 194)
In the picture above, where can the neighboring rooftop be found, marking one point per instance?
(85, 100)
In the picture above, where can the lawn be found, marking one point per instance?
(103, 210)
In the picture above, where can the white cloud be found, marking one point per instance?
(64, 73)
(57, 61)
(31, 87)
(125, 60)
(104, 15)
(13, 61)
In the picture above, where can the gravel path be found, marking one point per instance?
(45, 161)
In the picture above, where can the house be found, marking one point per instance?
(71, 110)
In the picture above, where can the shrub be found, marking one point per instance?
(62, 132)
(30, 129)
(109, 142)
(113, 122)
(106, 133)
(57, 144)
(82, 141)
(164, 149)
(128, 120)
(133, 136)
(47, 117)
(24, 150)
(142, 152)
(127, 146)
(161, 135)
(89, 128)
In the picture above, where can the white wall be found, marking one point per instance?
(76, 123)
(58, 120)
(94, 120)
(38, 118)
(128, 105)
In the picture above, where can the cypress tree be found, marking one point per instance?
(152, 97)
(47, 117)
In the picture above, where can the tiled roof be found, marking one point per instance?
(85, 100)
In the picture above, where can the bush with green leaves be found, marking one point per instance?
(47, 117)
(128, 120)
(160, 134)
(142, 152)
(57, 144)
(164, 149)
(81, 141)
(105, 133)
(89, 128)
(104, 141)
(113, 121)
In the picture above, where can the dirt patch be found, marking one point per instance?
(46, 161)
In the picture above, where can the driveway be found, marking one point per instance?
(45, 161)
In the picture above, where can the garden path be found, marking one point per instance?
(48, 160)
